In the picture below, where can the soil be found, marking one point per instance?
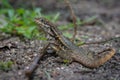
(22, 52)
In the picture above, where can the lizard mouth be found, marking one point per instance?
(41, 22)
(37, 20)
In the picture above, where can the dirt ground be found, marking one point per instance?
(22, 52)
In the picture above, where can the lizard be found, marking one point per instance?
(68, 50)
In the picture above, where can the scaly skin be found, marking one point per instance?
(72, 52)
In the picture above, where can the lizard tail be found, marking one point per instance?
(96, 61)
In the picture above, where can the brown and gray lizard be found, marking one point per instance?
(68, 50)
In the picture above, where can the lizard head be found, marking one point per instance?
(42, 22)
(45, 25)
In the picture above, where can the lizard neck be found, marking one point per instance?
(64, 40)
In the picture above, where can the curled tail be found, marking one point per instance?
(96, 61)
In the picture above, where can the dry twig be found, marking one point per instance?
(73, 18)
(30, 69)
(101, 42)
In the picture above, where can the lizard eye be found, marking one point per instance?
(42, 20)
